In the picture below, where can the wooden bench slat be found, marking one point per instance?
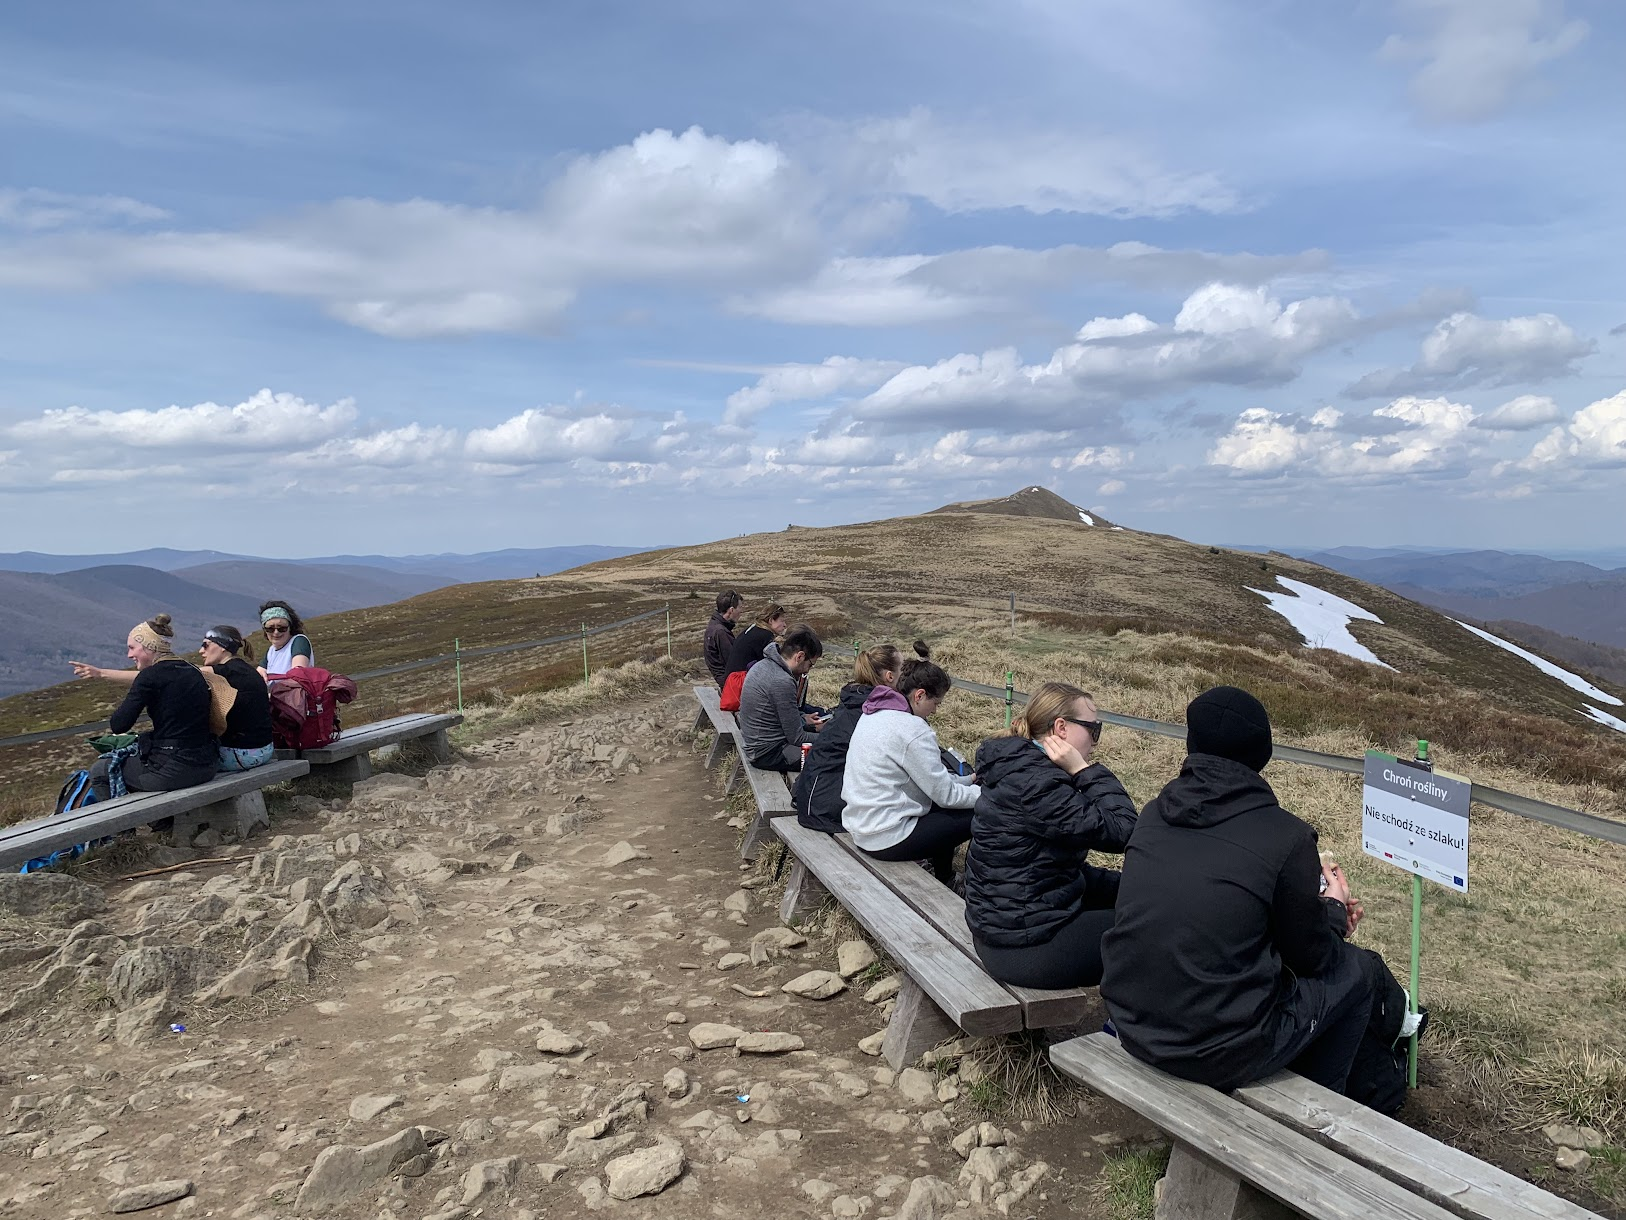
(23, 841)
(1288, 1166)
(945, 910)
(970, 998)
(726, 731)
(365, 738)
(1448, 1176)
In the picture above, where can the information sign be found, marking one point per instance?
(1416, 819)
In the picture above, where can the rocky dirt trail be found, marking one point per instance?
(535, 982)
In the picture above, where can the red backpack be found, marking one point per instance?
(730, 699)
(305, 707)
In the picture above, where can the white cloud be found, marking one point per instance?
(1477, 54)
(1465, 350)
(266, 422)
(795, 382)
(540, 437)
(846, 449)
(34, 209)
(1521, 414)
(1409, 436)
(1223, 334)
(1595, 436)
(967, 167)
(411, 445)
(690, 208)
(1110, 488)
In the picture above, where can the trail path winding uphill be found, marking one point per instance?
(481, 994)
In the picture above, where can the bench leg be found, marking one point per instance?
(804, 894)
(736, 772)
(1196, 1188)
(719, 743)
(439, 745)
(346, 770)
(238, 816)
(759, 830)
(916, 1026)
(699, 719)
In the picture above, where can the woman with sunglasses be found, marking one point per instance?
(1036, 908)
(288, 647)
(246, 743)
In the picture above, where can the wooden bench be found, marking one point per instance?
(231, 803)
(1252, 1154)
(942, 993)
(771, 791)
(723, 724)
(945, 910)
(347, 758)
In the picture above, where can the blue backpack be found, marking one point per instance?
(76, 794)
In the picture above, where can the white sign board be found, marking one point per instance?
(1416, 819)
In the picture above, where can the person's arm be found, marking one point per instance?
(1300, 923)
(1103, 816)
(300, 656)
(123, 677)
(922, 761)
(791, 727)
(134, 703)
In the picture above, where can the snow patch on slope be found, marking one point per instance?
(1604, 718)
(1085, 517)
(1573, 681)
(1321, 618)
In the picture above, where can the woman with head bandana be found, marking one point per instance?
(179, 751)
(246, 741)
(287, 645)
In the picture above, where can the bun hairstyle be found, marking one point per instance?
(872, 662)
(1051, 702)
(921, 673)
(160, 624)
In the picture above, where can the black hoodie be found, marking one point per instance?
(719, 640)
(817, 795)
(1034, 825)
(1218, 909)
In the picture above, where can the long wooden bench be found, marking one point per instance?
(1252, 1154)
(945, 910)
(725, 728)
(771, 791)
(347, 759)
(231, 803)
(942, 993)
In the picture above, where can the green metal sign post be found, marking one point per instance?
(457, 654)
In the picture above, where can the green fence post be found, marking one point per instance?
(1416, 941)
(457, 653)
(586, 673)
(1010, 696)
(668, 631)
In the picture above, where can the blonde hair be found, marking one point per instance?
(770, 612)
(872, 662)
(1051, 702)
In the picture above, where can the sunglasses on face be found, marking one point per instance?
(284, 630)
(1092, 727)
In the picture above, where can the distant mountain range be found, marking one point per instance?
(62, 608)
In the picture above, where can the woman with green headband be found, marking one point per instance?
(287, 645)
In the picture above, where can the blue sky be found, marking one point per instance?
(634, 273)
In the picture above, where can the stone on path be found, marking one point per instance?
(557, 1042)
(343, 1171)
(916, 1087)
(929, 1199)
(740, 901)
(676, 1083)
(872, 1044)
(733, 961)
(623, 852)
(1564, 1135)
(486, 1176)
(816, 985)
(365, 1108)
(710, 1036)
(648, 1171)
(1572, 1158)
(153, 1194)
(779, 939)
(853, 956)
(768, 1043)
(884, 990)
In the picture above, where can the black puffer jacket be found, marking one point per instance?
(817, 795)
(1218, 909)
(1033, 827)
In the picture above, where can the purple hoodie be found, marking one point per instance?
(885, 699)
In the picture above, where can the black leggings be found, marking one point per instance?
(140, 775)
(1070, 958)
(934, 836)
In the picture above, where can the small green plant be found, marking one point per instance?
(1129, 1181)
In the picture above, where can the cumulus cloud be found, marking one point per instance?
(967, 167)
(1466, 350)
(391, 448)
(1521, 414)
(542, 436)
(1410, 436)
(34, 209)
(1223, 334)
(264, 422)
(1595, 436)
(1477, 55)
(797, 382)
(688, 207)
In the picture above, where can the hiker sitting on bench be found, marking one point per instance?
(246, 741)
(179, 750)
(287, 645)
(770, 719)
(817, 795)
(901, 802)
(719, 639)
(1036, 907)
(1226, 962)
(750, 644)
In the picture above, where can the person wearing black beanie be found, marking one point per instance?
(1225, 962)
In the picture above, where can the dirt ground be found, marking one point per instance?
(377, 978)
